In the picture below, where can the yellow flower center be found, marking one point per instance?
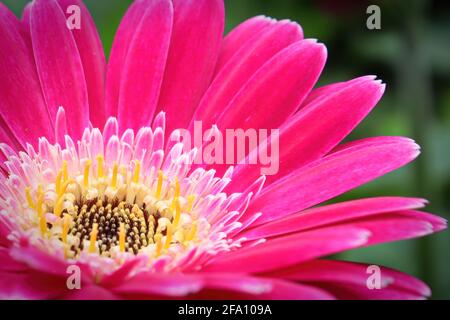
(110, 209)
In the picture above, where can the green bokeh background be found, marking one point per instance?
(411, 54)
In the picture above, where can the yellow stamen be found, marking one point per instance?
(137, 170)
(100, 166)
(87, 168)
(65, 171)
(43, 224)
(168, 236)
(114, 175)
(93, 239)
(177, 189)
(192, 232)
(176, 219)
(122, 237)
(40, 201)
(30, 201)
(40, 211)
(176, 193)
(159, 246)
(190, 202)
(64, 187)
(59, 207)
(159, 184)
(58, 182)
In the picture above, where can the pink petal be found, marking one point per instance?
(322, 92)
(281, 290)
(393, 227)
(277, 88)
(20, 91)
(242, 67)
(59, 65)
(329, 272)
(284, 290)
(144, 66)
(93, 59)
(236, 282)
(121, 274)
(119, 51)
(61, 126)
(335, 213)
(160, 284)
(318, 128)
(90, 292)
(30, 285)
(46, 263)
(289, 250)
(194, 48)
(7, 136)
(8, 263)
(333, 175)
(238, 37)
(39, 260)
(352, 292)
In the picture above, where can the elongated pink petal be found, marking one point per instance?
(59, 65)
(284, 290)
(242, 67)
(160, 284)
(281, 290)
(205, 285)
(39, 260)
(8, 263)
(275, 91)
(60, 126)
(8, 137)
(90, 292)
(368, 142)
(121, 274)
(22, 109)
(194, 48)
(144, 66)
(46, 263)
(30, 285)
(236, 282)
(93, 59)
(352, 292)
(26, 12)
(318, 128)
(329, 272)
(289, 250)
(332, 176)
(325, 215)
(393, 227)
(383, 227)
(324, 91)
(239, 36)
(119, 51)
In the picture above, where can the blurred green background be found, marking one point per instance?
(411, 53)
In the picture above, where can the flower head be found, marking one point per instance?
(97, 174)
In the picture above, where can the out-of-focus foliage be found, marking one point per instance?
(411, 54)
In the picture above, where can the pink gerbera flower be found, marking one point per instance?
(89, 177)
